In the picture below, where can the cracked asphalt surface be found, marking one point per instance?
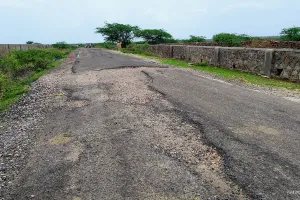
(120, 127)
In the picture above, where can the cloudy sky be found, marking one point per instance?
(73, 21)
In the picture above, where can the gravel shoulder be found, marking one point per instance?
(18, 127)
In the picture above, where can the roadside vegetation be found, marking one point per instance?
(128, 34)
(137, 49)
(62, 45)
(290, 34)
(227, 74)
(138, 41)
(105, 45)
(20, 68)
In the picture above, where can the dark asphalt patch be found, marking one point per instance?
(131, 67)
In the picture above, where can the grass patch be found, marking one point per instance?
(229, 74)
(20, 68)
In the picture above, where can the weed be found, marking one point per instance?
(21, 68)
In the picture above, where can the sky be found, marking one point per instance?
(74, 21)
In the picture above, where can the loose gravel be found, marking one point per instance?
(20, 123)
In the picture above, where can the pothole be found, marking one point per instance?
(78, 96)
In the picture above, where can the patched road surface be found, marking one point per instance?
(115, 127)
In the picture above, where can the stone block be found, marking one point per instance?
(268, 62)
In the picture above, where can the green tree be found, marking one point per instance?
(153, 36)
(231, 39)
(196, 39)
(290, 34)
(118, 32)
(29, 42)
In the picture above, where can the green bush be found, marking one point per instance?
(172, 41)
(231, 39)
(2, 83)
(195, 39)
(137, 49)
(20, 68)
(81, 45)
(106, 45)
(62, 45)
(290, 34)
(19, 62)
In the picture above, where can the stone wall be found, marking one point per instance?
(286, 64)
(281, 63)
(6, 48)
(242, 59)
(200, 55)
(164, 51)
(270, 44)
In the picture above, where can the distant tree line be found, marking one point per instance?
(125, 33)
(32, 42)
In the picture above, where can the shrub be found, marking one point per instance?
(18, 62)
(20, 68)
(172, 41)
(2, 83)
(231, 39)
(81, 45)
(106, 45)
(62, 45)
(195, 39)
(137, 49)
(290, 34)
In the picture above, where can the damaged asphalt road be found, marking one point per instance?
(119, 127)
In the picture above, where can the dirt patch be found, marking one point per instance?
(61, 139)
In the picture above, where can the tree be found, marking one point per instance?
(153, 36)
(196, 39)
(29, 42)
(117, 32)
(290, 34)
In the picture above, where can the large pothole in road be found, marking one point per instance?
(79, 96)
(76, 98)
